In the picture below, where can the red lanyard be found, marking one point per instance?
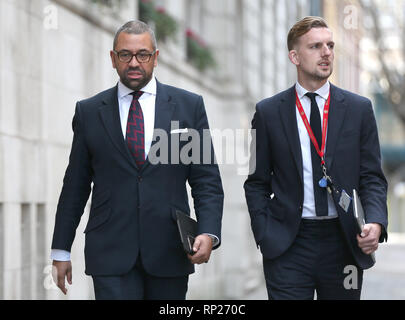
(321, 152)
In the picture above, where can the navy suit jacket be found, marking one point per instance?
(132, 210)
(352, 160)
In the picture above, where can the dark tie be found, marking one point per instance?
(321, 200)
(135, 136)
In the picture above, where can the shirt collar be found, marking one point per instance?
(322, 91)
(149, 88)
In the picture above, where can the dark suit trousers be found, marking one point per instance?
(318, 261)
(138, 285)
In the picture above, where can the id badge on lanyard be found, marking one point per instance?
(326, 180)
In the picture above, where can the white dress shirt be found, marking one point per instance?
(147, 102)
(308, 211)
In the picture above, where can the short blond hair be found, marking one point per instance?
(302, 27)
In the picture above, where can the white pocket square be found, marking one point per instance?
(179, 130)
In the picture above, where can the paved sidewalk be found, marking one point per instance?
(386, 280)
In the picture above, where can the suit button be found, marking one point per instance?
(300, 208)
(139, 178)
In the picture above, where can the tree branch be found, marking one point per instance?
(395, 93)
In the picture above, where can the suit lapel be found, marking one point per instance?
(289, 120)
(109, 113)
(337, 113)
(164, 107)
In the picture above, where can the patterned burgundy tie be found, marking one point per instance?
(135, 130)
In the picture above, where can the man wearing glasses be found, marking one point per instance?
(133, 249)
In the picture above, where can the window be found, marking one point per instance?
(33, 251)
(1, 252)
(194, 15)
(26, 252)
(40, 250)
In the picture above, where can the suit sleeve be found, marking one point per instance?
(258, 184)
(205, 180)
(76, 188)
(372, 184)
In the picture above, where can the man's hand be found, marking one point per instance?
(368, 239)
(60, 270)
(202, 247)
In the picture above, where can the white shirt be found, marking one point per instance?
(147, 102)
(309, 199)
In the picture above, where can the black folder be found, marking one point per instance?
(187, 229)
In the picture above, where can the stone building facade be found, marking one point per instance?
(55, 52)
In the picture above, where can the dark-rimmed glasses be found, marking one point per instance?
(126, 56)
